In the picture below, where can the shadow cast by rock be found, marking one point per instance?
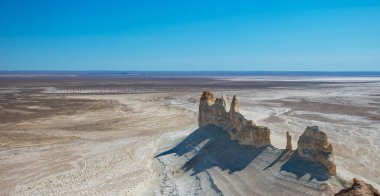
(300, 167)
(218, 151)
(208, 132)
(213, 147)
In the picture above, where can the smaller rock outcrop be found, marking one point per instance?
(359, 187)
(313, 146)
(288, 141)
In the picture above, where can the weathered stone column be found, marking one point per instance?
(288, 141)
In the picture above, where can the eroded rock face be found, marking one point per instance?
(216, 112)
(313, 146)
(359, 187)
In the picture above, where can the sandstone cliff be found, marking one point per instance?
(359, 187)
(312, 144)
(215, 111)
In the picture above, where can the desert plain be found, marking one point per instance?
(97, 135)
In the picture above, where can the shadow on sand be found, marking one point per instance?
(213, 147)
(218, 150)
(300, 167)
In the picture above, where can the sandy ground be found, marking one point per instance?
(105, 144)
(108, 150)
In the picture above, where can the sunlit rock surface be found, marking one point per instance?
(313, 146)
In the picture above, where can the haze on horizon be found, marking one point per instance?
(327, 35)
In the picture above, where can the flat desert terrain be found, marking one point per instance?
(93, 135)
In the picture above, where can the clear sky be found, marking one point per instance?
(193, 35)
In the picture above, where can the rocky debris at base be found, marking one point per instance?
(357, 188)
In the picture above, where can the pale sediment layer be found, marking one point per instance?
(105, 144)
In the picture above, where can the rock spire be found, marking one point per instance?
(288, 141)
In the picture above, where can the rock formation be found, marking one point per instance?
(288, 141)
(358, 187)
(216, 112)
(313, 146)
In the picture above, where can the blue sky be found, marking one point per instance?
(286, 35)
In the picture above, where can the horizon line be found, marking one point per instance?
(183, 71)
